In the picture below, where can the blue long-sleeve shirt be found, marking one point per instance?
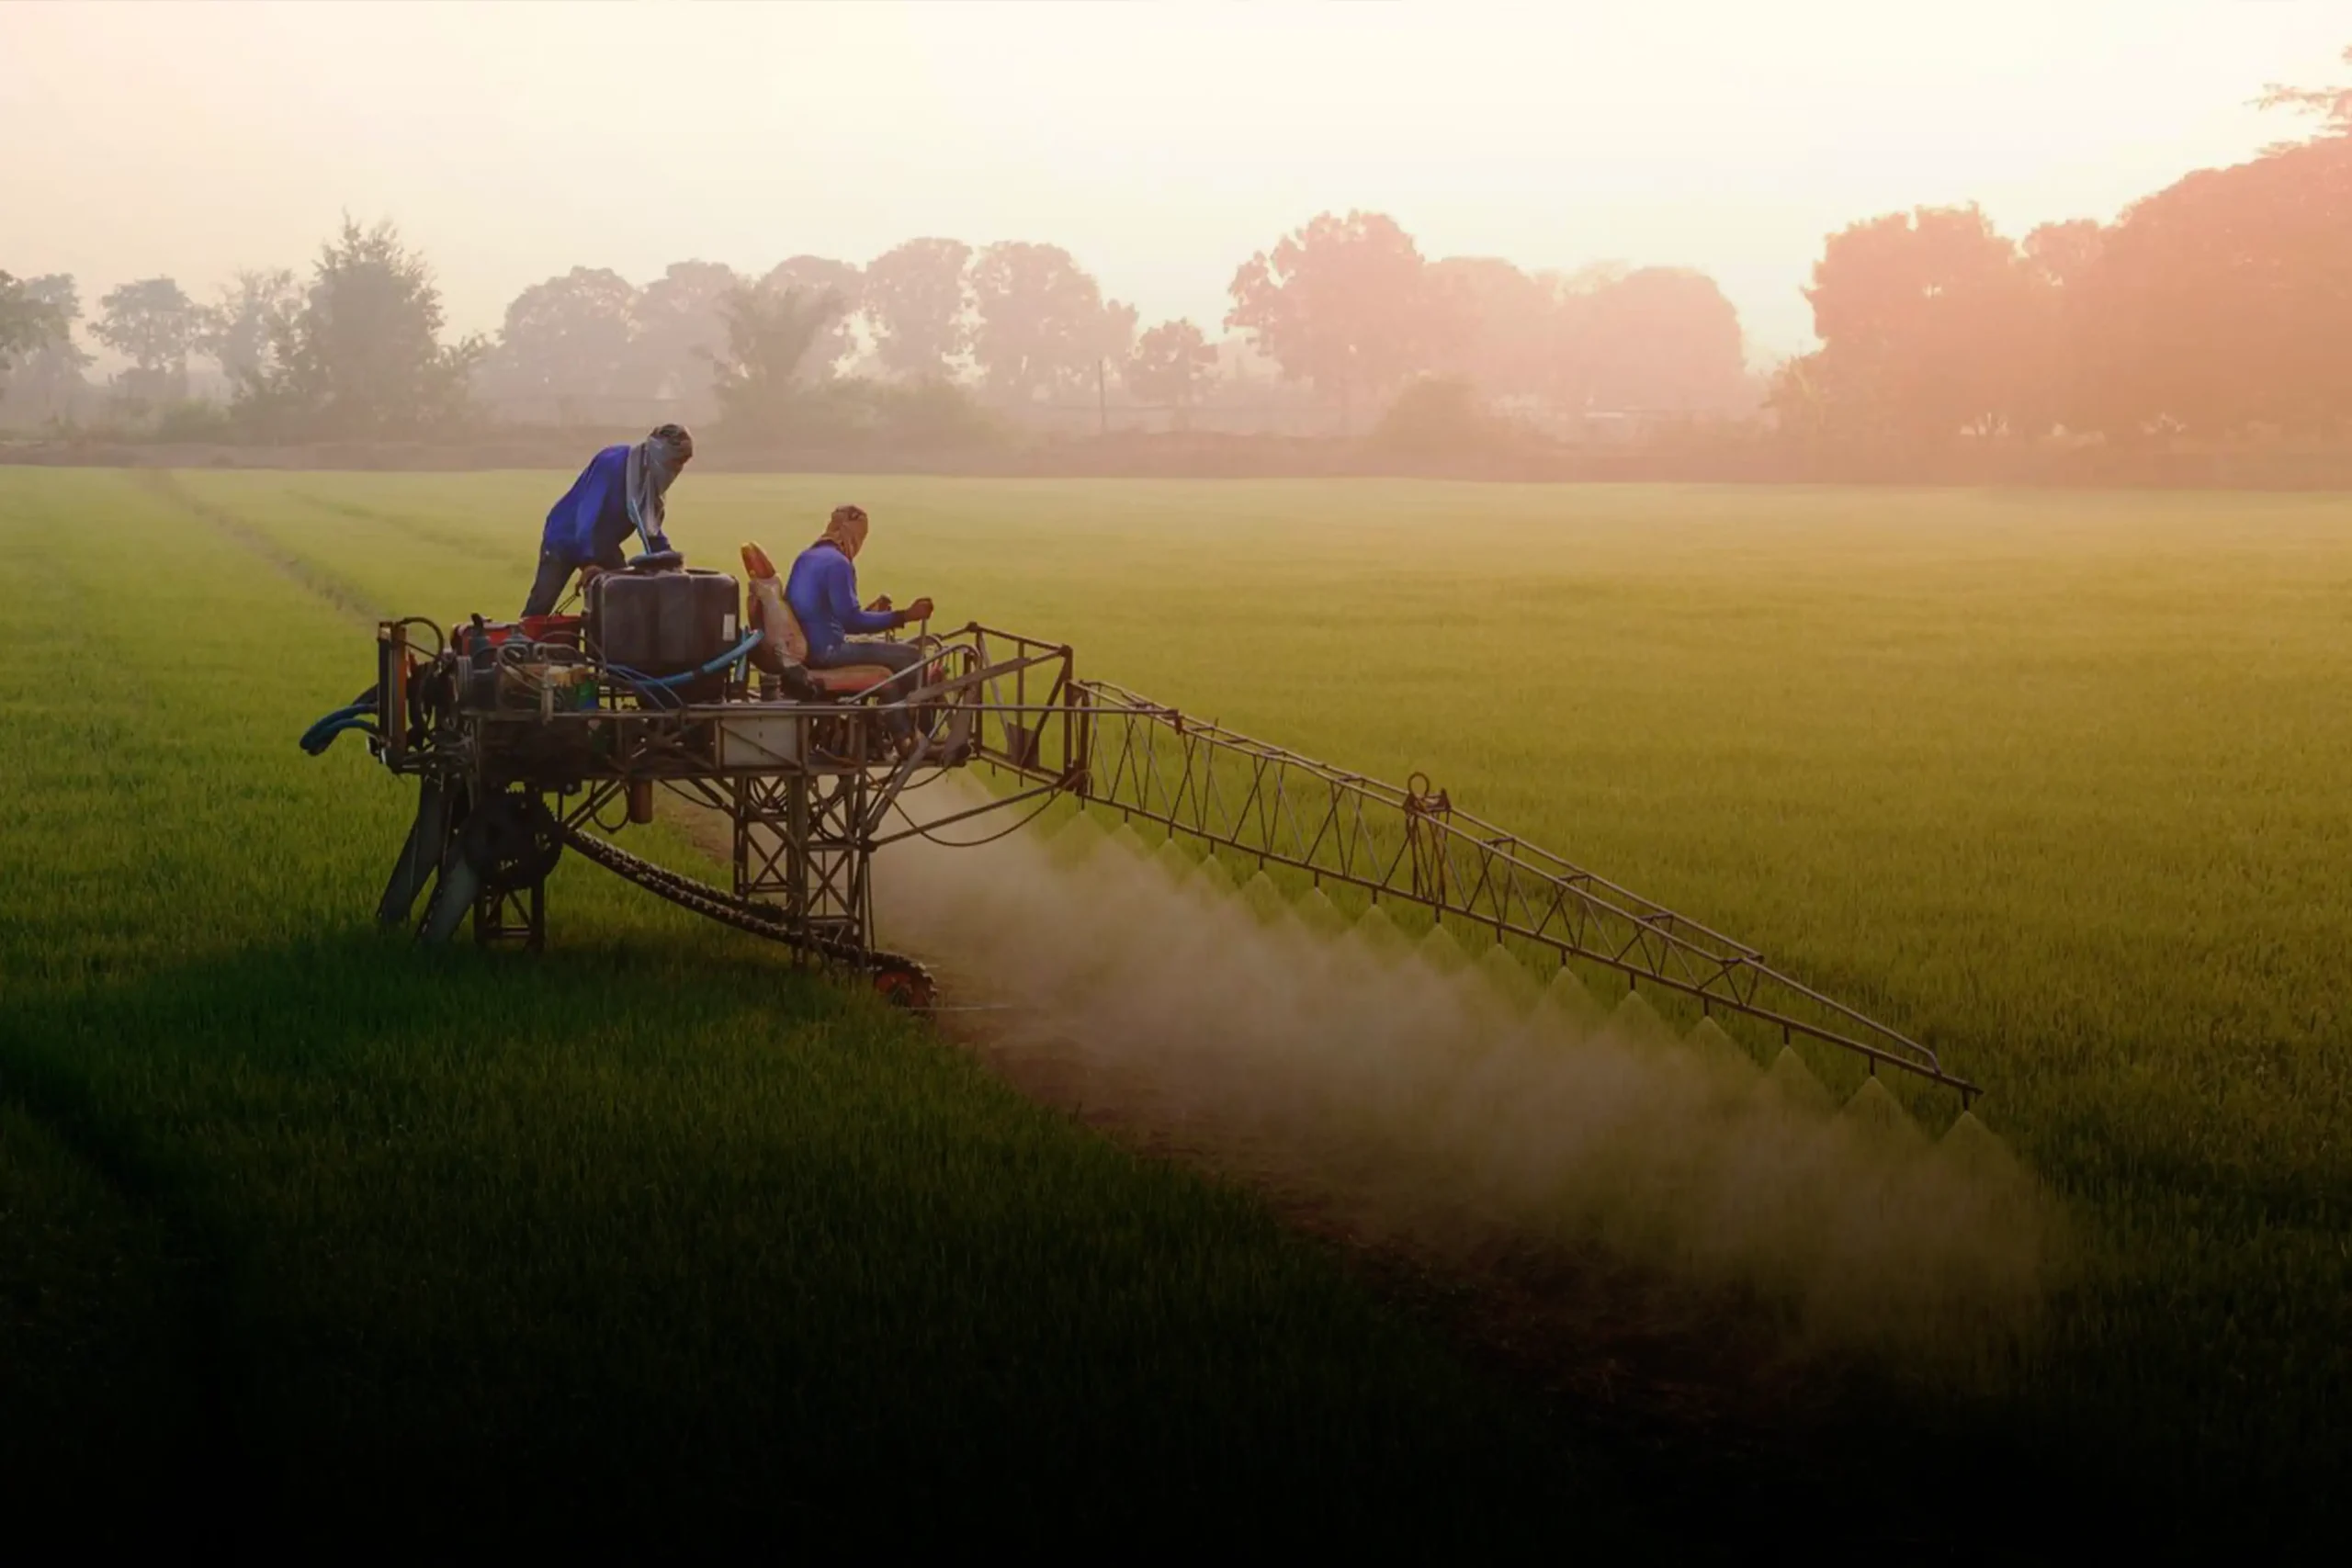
(593, 517)
(822, 591)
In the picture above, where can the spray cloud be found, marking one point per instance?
(1460, 1107)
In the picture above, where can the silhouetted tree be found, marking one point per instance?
(1170, 364)
(2332, 105)
(2063, 255)
(1440, 416)
(1344, 303)
(681, 330)
(1799, 398)
(1925, 319)
(1658, 339)
(2226, 299)
(154, 325)
(27, 320)
(363, 355)
(930, 415)
(1495, 325)
(769, 332)
(914, 302)
(567, 337)
(45, 380)
(244, 320)
(2060, 262)
(1042, 322)
(846, 283)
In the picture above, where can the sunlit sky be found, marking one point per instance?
(1161, 144)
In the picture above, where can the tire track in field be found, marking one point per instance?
(304, 573)
(398, 521)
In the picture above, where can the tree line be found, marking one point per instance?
(1346, 309)
(2216, 306)
(2220, 304)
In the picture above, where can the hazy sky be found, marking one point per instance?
(1161, 144)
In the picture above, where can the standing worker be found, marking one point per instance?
(822, 591)
(618, 493)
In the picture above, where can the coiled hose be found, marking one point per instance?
(358, 714)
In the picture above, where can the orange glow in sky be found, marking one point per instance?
(1161, 144)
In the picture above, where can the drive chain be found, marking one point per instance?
(744, 914)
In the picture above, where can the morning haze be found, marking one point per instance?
(1723, 922)
(1159, 145)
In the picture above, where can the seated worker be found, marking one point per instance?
(618, 493)
(822, 591)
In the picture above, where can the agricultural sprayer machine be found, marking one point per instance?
(534, 738)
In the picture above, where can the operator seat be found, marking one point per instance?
(780, 628)
(849, 680)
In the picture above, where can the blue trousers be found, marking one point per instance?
(555, 569)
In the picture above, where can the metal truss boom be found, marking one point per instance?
(1410, 844)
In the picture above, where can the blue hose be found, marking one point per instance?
(353, 714)
(321, 736)
(735, 655)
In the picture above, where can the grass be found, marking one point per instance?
(2052, 782)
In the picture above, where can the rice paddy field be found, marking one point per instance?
(649, 1239)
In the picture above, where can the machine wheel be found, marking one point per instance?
(903, 985)
(512, 841)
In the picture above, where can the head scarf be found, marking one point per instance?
(846, 531)
(653, 463)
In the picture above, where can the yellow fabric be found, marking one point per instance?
(771, 614)
(846, 532)
(777, 621)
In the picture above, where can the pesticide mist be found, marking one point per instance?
(1462, 1107)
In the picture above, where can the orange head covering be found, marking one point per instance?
(846, 531)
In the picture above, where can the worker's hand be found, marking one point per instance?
(919, 610)
(881, 602)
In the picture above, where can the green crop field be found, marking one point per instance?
(2050, 781)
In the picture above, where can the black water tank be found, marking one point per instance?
(666, 623)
